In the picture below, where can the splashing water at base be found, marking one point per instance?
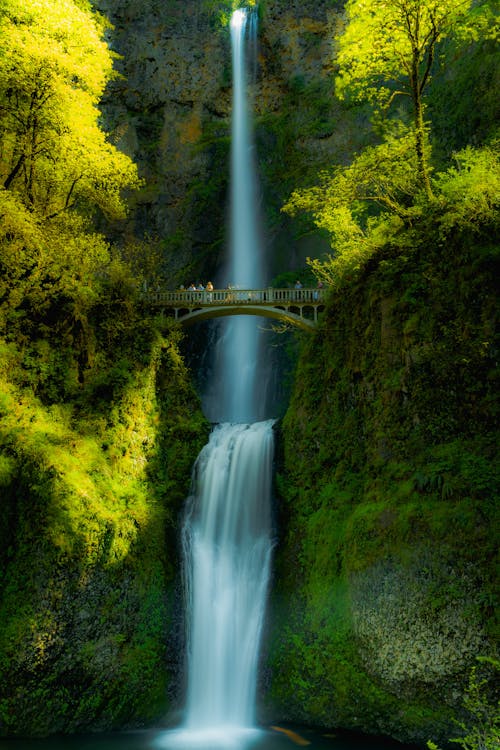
(210, 739)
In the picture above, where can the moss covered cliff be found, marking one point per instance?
(388, 495)
(92, 485)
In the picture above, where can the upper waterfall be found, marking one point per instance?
(245, 265)
(237, 391)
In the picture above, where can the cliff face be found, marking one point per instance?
(171, 113)
(388, 486)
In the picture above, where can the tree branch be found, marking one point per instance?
(14, 172)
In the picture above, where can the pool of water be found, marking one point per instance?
(276, 738)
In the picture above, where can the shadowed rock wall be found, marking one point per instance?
(171, 112)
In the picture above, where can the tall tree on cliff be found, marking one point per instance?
(56, 164)
(388, 50)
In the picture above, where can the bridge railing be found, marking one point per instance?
(232, 296)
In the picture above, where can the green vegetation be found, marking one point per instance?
(99, 424)
(387, 51)
(482, 730)
(91, 490)
(388, 479)
(389, 496)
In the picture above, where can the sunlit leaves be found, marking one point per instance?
(18, 230)
(387, 46)
(469, 191)
(53, 69)
(359, 203)
(385, 49)
(57, 35)
(56, 165)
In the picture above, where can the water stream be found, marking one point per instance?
(227, 549)
(237, 392)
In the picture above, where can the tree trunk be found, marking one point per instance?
(422, 161)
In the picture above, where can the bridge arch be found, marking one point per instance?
(190, 316)
(299, 307)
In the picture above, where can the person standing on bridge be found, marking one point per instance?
(209, 289)
(298, 289)
(317, 291)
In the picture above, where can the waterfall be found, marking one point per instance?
(227, 541)
(227, 529)
(245, 264)
(238, 390)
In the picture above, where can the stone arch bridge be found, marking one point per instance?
(299, 307)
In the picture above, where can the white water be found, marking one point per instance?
(237, 393)
(245, 266)
(227, 531)
(227, 541)
(227, 552)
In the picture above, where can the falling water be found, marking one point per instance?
(227, 535)
(245, 265)
(237, 393)
(227, 544)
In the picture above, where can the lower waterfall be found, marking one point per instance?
(227, 551)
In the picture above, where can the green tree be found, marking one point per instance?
(59, 174)
(53, 69)
(388, 49)
(362, 204)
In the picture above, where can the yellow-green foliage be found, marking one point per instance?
(103, 487)
(480, 727)
(54, 67)
(57, 167)
(91, 492)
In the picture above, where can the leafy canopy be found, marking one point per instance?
(388, 48)
(56, 164)
(53, 70)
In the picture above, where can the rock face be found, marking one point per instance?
(171, 112)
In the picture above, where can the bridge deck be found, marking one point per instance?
(297, 306)
(270, 296)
